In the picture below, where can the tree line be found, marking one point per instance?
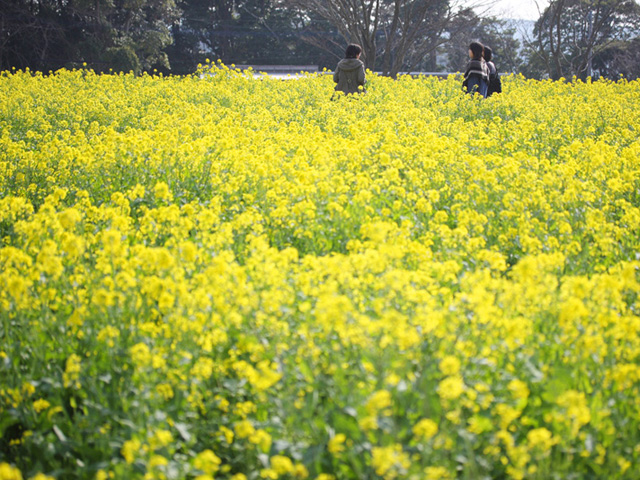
(571, 38)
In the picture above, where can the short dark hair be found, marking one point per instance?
(476, 49)
(488, 53)
(353, 51)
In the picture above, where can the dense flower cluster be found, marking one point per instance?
(218, 276)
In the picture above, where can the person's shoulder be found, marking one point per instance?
(350, 64)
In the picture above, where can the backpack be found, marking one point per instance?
(495, 85)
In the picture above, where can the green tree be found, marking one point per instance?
(571, 34)
(49, 34)
(621, 58)
(126, 34)
(395, 35)
(32, 34)
(238, 31)
(491, 31)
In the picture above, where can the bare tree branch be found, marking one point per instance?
(394, 34)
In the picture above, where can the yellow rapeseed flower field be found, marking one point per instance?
(216, 276)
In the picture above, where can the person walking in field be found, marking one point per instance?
(494, 85)
(476, 75)
(349, 75)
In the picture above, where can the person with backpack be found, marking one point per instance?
(349, 75)
(476, 75)
(495, 85)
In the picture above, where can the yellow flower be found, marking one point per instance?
(136, 192)
(479, 424)
(451, 388)
(227, 433)
(300, 471)
(282, 465)
(268, 473)
(577, 413)
(40, 405)
(69, 218)
(336, 444)
(541, 438)
(160, 439)
(207, 461)
(41, 476)
(203, 369)
(425, 429)
(437, 473)
(390, 461)
(244, 429)
(165, 390)
(507, 414)
(72, 371)
(157, 461)
(101, 475)
(243, 409)
(130, 450)
(252, 238)
(368, 423)
(450, 365)
(108, 334)
(624, 464)
(141, 354)
(262, 439)
(378, 401)
(162, 192)
(7, 472)
(518, 388)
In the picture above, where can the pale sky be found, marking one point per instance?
(520, 9)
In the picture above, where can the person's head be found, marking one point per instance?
(475, 50)
(353, 51)
(488, 53)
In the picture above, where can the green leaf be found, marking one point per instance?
(559, 382)
(5, 422)
(305, 371)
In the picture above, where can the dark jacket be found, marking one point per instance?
(492, 68)
(476, 77)
(495, 84)
(349, 75)
(477, 68)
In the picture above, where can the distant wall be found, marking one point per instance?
(281, 70)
